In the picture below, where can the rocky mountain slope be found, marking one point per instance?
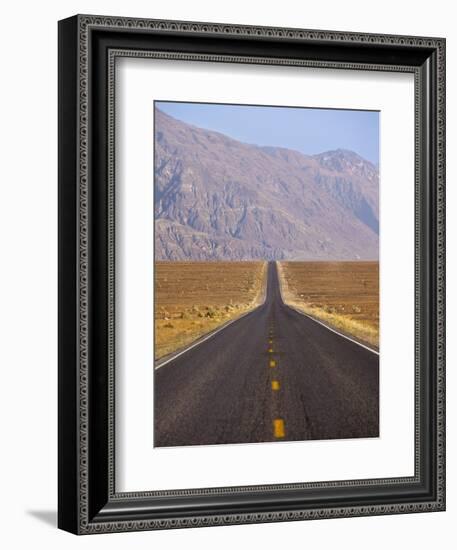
(217, 198)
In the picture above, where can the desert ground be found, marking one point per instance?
(194, 298)
(345, 295)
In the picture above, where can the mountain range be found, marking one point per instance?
(220, 199)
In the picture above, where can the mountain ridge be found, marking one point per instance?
(219, 198)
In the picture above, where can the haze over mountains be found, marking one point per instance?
(219, 199)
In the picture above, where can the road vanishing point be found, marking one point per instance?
(272, 375)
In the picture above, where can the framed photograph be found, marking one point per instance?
(251, 274)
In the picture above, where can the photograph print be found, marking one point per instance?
(266, 274)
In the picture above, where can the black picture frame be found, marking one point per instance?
(88, 502)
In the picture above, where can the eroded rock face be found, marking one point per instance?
(220, 199)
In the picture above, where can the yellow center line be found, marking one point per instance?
(278, 427)
(270, 350)
(275, 385)
(272, 363)
(271, 340)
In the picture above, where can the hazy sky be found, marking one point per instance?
(310, 131)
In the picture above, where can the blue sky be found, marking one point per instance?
(310, 131)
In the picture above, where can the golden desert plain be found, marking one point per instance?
(345, 295)
(194, 298)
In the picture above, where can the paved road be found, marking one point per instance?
(273, 375)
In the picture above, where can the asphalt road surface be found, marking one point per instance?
(273, 375)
